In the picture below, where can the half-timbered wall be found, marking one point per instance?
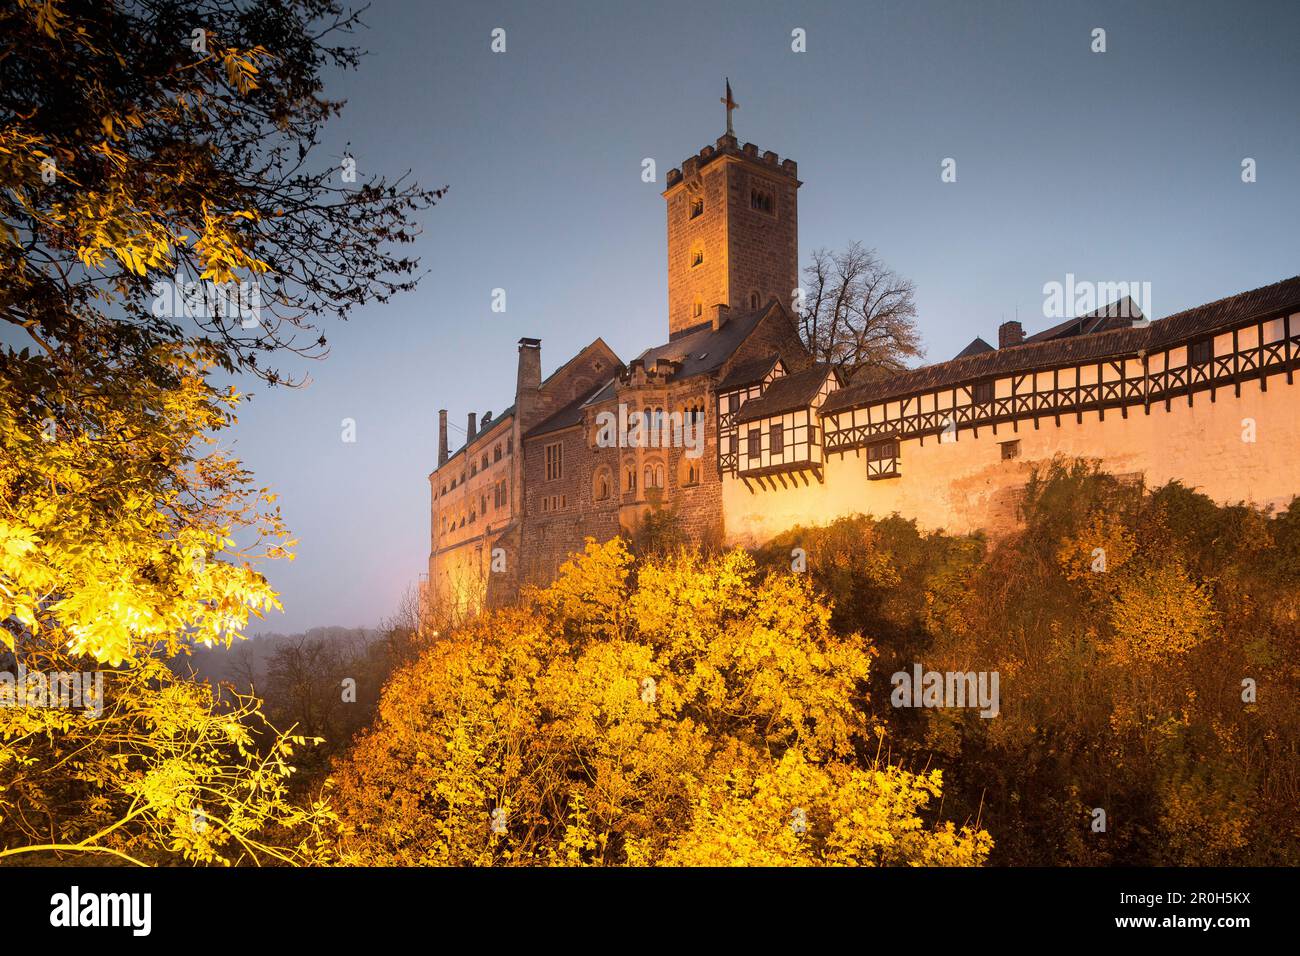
(728, 406)
(1228, 426)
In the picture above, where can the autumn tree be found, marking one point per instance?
(152, 152)
(857, 313)
(157, 157)
(680, 711)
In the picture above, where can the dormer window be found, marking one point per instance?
(697, 207)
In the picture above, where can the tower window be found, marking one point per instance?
(761, 199)
(697, 256)
(753, 300)
(697, 207)
(698, 309)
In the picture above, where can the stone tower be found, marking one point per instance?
(733, 230)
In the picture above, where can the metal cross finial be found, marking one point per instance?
(730, 104)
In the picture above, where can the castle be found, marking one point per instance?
(740, 434)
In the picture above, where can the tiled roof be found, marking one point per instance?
(1259, 303)
(704, 350)
(975, 348)
(748, 373)
(785, 394)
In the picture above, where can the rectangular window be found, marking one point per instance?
(982, 393)
(697, 207)
(1201, 352)
(1010, 449)
(554, 461)
(882, 459)
(754, 453)
(776, 443)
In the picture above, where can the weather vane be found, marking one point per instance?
(730, 104)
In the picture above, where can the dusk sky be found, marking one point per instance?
(1117, 166)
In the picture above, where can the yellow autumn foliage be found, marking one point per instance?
(679, 711)
(118, 515)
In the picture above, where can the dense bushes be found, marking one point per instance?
(1128, 628)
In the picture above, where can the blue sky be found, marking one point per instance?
(1123, 165)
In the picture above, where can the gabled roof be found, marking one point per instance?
(975, 348)
(748, 373)
(1266, 302)
(786, 394)
(702, 350)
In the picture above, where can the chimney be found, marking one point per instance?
(527, 383)
(442, 437)
(720, 314)
(471, 427)
(1009, 334)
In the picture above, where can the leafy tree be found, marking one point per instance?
(147, 142)
(153, 154)
(166, 772)
(679, 711)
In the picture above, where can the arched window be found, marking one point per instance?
(698, 309)
(649, 477)
(659, 476)
(753, 300)
(601, 485)
(697, 207)
(630, 480)
(697, 255)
